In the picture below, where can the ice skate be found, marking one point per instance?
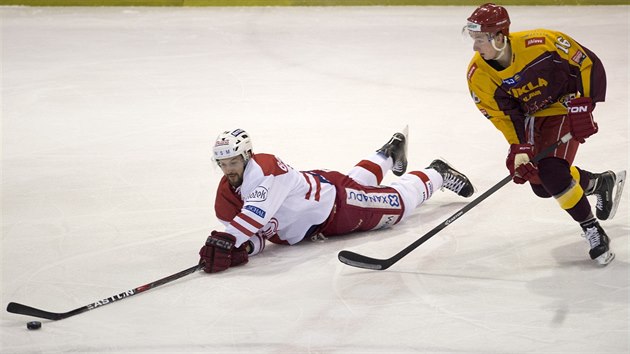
(607, 189)
(453, 180)
(396, 148)
(598, 241)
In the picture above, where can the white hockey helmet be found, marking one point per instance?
(233, 143)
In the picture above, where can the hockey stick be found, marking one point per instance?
(20, 309)
(360, 261)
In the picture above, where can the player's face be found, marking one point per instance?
(233, 168)
(482, 43)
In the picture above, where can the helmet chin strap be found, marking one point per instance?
(500, 50)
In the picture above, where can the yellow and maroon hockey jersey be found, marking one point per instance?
(548, 69)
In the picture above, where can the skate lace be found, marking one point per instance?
(600, 202)
(602, 191)
(592, 236)
(453, 183)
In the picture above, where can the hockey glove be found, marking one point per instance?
(581, 118)
(519, 163)
(219, 253)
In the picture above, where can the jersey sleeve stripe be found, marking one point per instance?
(318, 190)
(313, 179)
(310, 186)
(246, 224)
(241, 228)
(250, 221)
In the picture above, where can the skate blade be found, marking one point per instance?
(400, 169)
(405, 132)
(605, 258)
(619, 182)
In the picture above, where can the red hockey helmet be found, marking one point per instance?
(489, 18)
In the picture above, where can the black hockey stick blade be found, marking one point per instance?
(360, 261)
(21, 309)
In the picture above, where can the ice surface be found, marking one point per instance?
(108, 115)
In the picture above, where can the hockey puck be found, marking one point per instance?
(34, 325)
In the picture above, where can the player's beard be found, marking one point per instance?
(234, 179)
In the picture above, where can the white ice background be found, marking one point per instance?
(108, 117)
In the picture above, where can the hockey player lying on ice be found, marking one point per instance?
(260, 198)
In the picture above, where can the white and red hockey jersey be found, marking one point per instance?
(274, 202)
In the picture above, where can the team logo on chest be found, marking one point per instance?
(529, 90)
(257, 195)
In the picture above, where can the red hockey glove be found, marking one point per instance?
(219, 253)
(581, 118)
(519, 164)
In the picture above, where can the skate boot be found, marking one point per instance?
(396, 148)
(607, 189)
(598, 241)
(453, 180)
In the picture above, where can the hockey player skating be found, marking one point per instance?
(536, 86)
(260, 198)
